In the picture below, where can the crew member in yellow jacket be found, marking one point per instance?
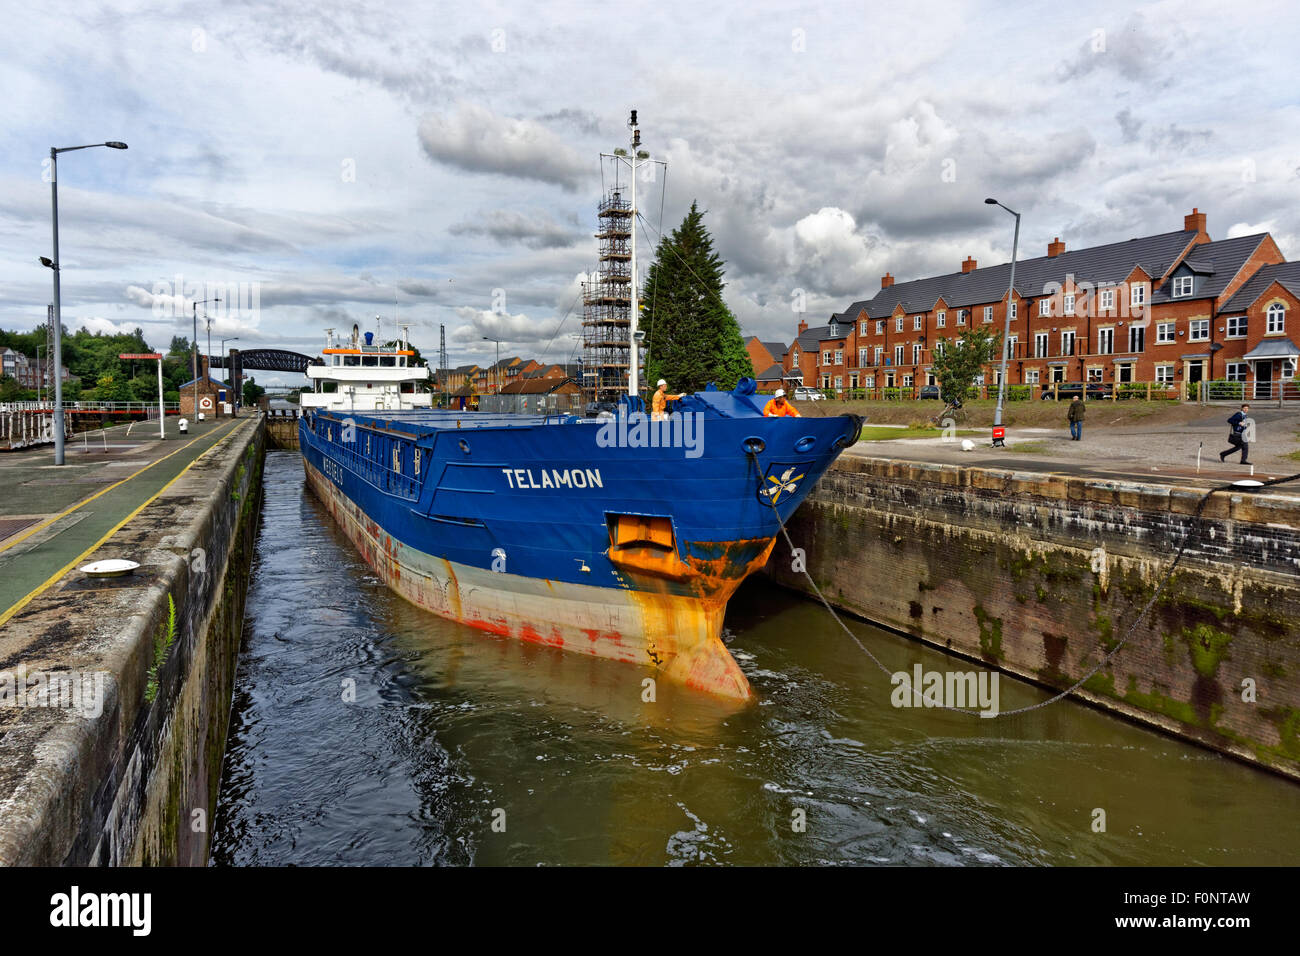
(659, 402)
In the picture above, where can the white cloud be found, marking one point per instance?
(476, 140)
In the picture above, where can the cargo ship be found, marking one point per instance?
(620, 536)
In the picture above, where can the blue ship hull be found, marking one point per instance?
(620, 539)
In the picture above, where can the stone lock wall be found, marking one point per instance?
(1041, 575)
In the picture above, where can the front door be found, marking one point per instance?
(1263, 380)
(1195, 371)
(1058, 373)
(1124, 373)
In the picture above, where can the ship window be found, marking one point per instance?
(417, 461)
(397, 459)
(367, 444)
(368, 360)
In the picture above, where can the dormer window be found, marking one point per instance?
(1182, 286)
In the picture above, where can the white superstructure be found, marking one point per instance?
(359, 375)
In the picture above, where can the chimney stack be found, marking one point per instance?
(886, 281)
(968, 265)
(1055, 248)
(803, 326)
(1194, 221)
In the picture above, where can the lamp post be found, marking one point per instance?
(497, 367)
(999, 432)
(53, 264)
(194, 311)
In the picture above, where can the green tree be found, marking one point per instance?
(692, 338)
(958, 364)
(113, 387)
(252, 392)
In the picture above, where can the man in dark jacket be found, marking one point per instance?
(1238, 423)
(1077, 409)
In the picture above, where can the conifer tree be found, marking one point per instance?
(691, 336)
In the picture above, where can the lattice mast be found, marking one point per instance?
(610, 344)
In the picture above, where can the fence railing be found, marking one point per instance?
(137, 408)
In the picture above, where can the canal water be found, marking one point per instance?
(450, 730)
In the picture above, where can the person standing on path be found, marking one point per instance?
(1076, 413)
(1243, 431)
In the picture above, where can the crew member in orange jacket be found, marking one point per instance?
(659, 402)
(778, 406)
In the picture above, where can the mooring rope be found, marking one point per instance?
(1197, 524)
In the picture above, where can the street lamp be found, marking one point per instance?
(497, 367)
(998, 431)
(194, 311)
(53, 264)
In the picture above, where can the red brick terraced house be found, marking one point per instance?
(1174, 309)
(768, 359)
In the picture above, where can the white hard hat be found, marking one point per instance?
(661, 382)
(780, 393)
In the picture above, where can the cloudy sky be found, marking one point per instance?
(337, 162)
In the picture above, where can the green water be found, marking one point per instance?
(452, 729)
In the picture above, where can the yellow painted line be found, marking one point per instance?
(18, 606)
(85, 501)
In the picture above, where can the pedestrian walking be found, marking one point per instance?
(1076, 413)
(1242, 431)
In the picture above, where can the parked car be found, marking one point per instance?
(805, 394)
(1067, 390)
(928, 392)
(596, 409)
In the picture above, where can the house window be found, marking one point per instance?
(940, 347)
(826, 381)
(862, 357)
(853, 380)
(880, 327)
(898, 355)
(1094, 374)
(917, 322)
(826, 357)
(988, 313)
(898, 324)
(1199, 330)
(864, 327)
(1108, 298)
(1182, 286)
(1165, 374)
(1236, 327)
(1288, 367)
(1067, 342)
(1137, 338)
(1068, 304)
(1044, 306)
(1105, 341)
(1275, 320)
(1031, 376)
(1137, 294)
(870, 381)
(839, 356)
(839, 382)
(940, 319)
(1164, 333)
(1236, 371)
(961, 316)
(1040, 345)
(907, 381)
(916, 355)
(880, 354)
(1011, 311)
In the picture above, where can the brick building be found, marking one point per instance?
(209, 392)
(1175, 309)
(768, 359)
